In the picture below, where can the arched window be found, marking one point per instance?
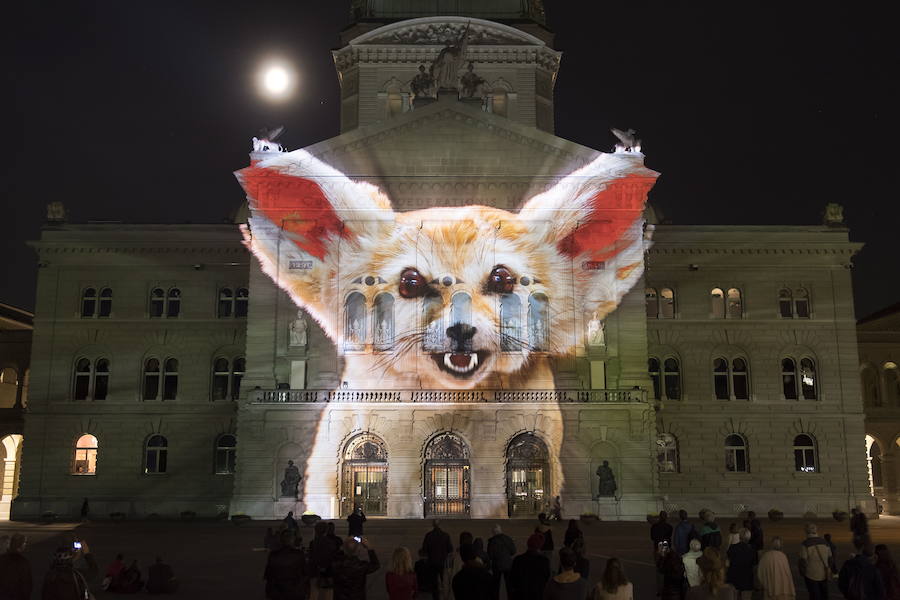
(785, 304)
(355, 322)
(151, 379)
(384, 321)
(740, 379)
(721, 383)
(653, 370)
(364, 475)
(433, 322)
(157, 303)
(170, 379)
(736, 454)
(667, 304)
(666, 453)
(873, 452)
(447, 475)
(88, 302)
(226, 453)
(717, 303)
(652, 300)
(735, 306)
(156, 455)
(672, 378)
(173, 303)
(871, 393)
(510, 323)
(85, 460)
(731, 379)
(801, 303)
(527, 475)
(805, 454)
(892, 383)
(105, 305)
(499, 102)
(789, 378)
(237, 374)
(226, 303)
(808, 379)
(221, 376)
(538, 322)
(241, 302)
(91, 380)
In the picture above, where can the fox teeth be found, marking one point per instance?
(473, 362)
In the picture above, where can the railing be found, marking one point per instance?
(446, 396)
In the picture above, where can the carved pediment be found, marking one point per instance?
(439, 31)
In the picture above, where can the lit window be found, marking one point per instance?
(157, 454)
(735, 307)
(85, 460)
(652, 301)
(805, 454)
(717, 300)
(808, 383)
(785, 304)
(736, 454)
(667, 304)
(226, 451)
(653, 369)
(666, 453)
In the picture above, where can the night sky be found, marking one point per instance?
(140, 111)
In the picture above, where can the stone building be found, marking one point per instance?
(15, 353)
(715, 368)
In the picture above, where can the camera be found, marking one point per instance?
(357, 538)
(76, 545)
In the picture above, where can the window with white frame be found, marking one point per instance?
(666, 453)
(805, 454)
(165, 303)
(717, 303)
(156, 455)
(667, 303)
(226, 454)
(226, 378)
(731, 378)
(91, 379)
(96, 304)
(736, 454)
(652, 300)
(85, 460)
(793, 304)
(233, 302)
(655, 376)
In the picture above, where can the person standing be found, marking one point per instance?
(691, 568)
(350, 572)
(859, 527)
(710, 534)
(614, 585)
(437, 547)
(661, 531)
(546, 532)
(15, 570)
(472, 582)
(501, 549)
(568, 585)
(400, 581)
(742, 557)
(683, 533)
(774, 573)
(757, 539)
(712, 585)
(85, 510)
(670, 571)
(290, 523)
(573, 532)
(355, 522)
(286, 574)
(322, 551)
(582, 562)
(813, 563)
(888, 570)
(530, 571)
(859, 579)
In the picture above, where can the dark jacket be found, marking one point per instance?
(161, 579)
(322, 551)
(756, 534)
(742, 558)
(660, 531)
(545, 531)
(860, 580)
(682, 535)
(15, 577)
(350, 576)
(473, 583)
(63, 582)
(355, 524)
(571, 536)
(529, 575)
(501, 549)
(437, 546)
(711, 536)
(286, 574)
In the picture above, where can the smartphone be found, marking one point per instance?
(76, 545)
(357, 538)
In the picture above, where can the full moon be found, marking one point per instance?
(276, 80)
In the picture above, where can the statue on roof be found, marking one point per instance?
(628, 141)
(445, 67)
(470, 84)
(422, 85)
(265, 140)
(834, 215)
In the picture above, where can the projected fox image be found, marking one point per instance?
(458, 298)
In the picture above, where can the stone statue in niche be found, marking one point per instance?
(596, 332)
(470, 84)
(607, 480)
(422, 85)
(298, 331)
(291, 481)
(445, 67)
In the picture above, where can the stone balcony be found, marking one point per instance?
(448, 396)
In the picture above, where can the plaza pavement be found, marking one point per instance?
(223, 561)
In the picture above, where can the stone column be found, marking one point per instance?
(8, 488)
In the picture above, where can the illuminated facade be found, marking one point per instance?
(448, 311)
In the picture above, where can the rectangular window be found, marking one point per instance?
(170, 387)
(784, 307)
(802, 305)
(721, 384)
(741, 389)
(673, 387)
(736, 460)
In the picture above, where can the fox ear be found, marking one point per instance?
(590, 214)
(301, 212)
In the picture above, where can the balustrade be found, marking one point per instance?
(447, 396)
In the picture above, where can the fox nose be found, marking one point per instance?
(461, 333)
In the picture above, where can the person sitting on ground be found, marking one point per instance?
(888, 569)
(400, 581)
(161, 578)
(691, 568)
(530, 571)
(63, 581)
(660, 531)
(742, 559)
(614, 585)
(568, 585)
(712, 585)
(774, 573)
(573, 532)
(129, 581)
(15, 570)
(116, 567)
(859, 579)
(350, 572)
(286, 572)
(683, 533)
(472, 582)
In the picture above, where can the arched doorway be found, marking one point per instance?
(873, 454)
(527, 475)
(364, 476)
(447, 489)
(10, 453)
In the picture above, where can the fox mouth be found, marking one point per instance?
(460, 364)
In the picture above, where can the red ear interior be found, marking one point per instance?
(296, 204)
(615, 209)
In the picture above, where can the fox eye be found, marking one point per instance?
(412, 284)
(501, 281)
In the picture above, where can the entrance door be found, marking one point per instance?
(364, 476)
(447, 485)
(527, 480)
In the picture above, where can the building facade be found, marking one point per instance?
(496, 326)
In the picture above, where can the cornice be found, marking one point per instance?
(71, 248)
(845, 249)
(350, 56)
